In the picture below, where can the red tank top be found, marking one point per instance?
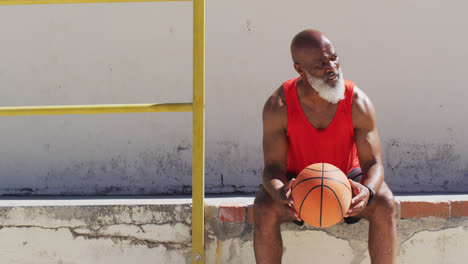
(307, 145)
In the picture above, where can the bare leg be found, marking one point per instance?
(382, 227)
(268, 216)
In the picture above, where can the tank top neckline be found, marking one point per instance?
(304, 117)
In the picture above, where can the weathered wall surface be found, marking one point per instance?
(424, 241)
(66, 234)
(430, 229)
(408, 57)
(159, 231)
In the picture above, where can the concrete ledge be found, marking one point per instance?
(240, 208)
(92, 201)
(409, 206)
(431, 229)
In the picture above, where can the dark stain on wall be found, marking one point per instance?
(427, 167)
(161, 171)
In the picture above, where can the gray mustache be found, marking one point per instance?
(332, 74)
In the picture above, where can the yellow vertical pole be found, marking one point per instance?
(198, 158)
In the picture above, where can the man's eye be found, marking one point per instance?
(334, 58)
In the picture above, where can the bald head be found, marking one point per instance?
(317, 62)
(307, 41)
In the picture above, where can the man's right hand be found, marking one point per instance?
(282, 195)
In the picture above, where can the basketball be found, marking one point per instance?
(322, 195)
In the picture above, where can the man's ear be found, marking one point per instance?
(298, 68)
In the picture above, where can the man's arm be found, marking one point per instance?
(368, 149)
(274, 142)
(275, 146)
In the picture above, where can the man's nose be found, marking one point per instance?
(332, 66)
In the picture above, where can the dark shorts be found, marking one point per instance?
(355, 175)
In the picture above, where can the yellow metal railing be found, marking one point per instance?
(197, 107)
(94, 109)
(40, 2)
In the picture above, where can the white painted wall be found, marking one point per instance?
(408, 57)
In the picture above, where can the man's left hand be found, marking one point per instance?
(360, 197)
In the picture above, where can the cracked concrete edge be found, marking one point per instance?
(104, 222)
(133, 240)
(358, 254)
(355, 234)
(97, 215)
(146, 225)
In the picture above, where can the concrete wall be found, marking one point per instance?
(434, 241)
(408, 57)
(72, 232)
(158, 231)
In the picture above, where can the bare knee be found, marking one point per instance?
(384, 206)
(264, 209)
(388, 203)
(262, 204)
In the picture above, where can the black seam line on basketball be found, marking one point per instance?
(321, 196)
(305, 197)
(326, 178)
(320, 170)
(339, 203)
(304, 181)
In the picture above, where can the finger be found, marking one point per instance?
(289, 190)
(355, 186)
(354, 183)
(359, 197)
(290, 184)
(285, 200)
(282, 197)
(355, 210)
(294, 213)
(352, 213)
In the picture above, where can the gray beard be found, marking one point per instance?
(332, 94)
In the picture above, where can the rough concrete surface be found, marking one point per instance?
(419, 241)
(158, 231)
(229, 242)
(96, 234)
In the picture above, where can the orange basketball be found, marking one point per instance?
(321, 194)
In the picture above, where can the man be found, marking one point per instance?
(320, 117)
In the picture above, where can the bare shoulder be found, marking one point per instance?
(276, 101)
(363, 110)
(275, 108)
